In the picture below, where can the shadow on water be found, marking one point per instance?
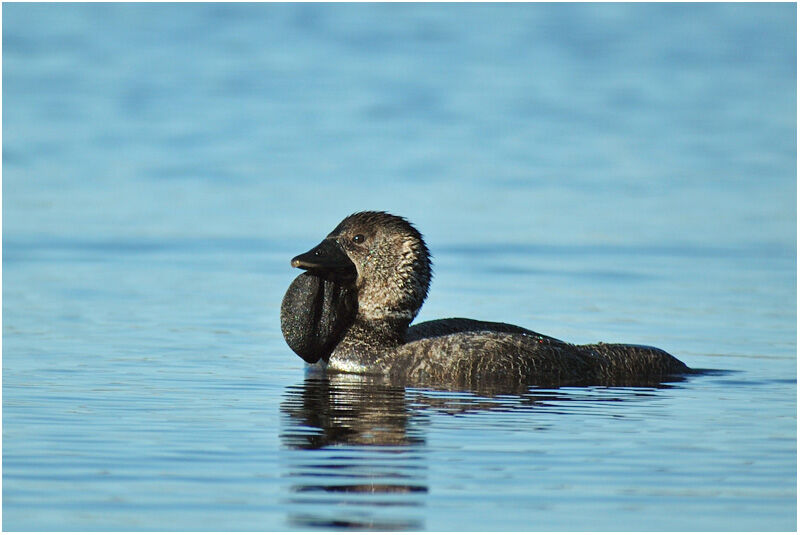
(357, 455)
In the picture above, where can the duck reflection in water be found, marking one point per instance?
(357, 451)
(360, 463)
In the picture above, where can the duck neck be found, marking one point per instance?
(365, 340)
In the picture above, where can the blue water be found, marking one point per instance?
(623, 173)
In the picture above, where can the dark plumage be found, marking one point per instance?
(364, 285)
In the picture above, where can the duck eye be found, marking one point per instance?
(358, 238)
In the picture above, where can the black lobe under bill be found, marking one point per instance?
(315, 313)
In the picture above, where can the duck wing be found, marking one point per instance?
(446, 326)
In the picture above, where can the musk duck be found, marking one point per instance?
(351, 311)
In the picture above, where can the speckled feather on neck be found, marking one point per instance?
(383, 264)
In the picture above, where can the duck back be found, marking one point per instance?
(475, 358)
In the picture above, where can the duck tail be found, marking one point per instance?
(620, 364)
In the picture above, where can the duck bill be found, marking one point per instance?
(327, 260)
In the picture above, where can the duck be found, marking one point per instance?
(352, 308)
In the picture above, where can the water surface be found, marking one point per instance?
(623, 173)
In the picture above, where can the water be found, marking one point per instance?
(594, 172)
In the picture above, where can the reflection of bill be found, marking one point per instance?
(356, 459)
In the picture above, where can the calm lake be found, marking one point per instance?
(595, 172)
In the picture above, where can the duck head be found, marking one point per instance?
(373, 266)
